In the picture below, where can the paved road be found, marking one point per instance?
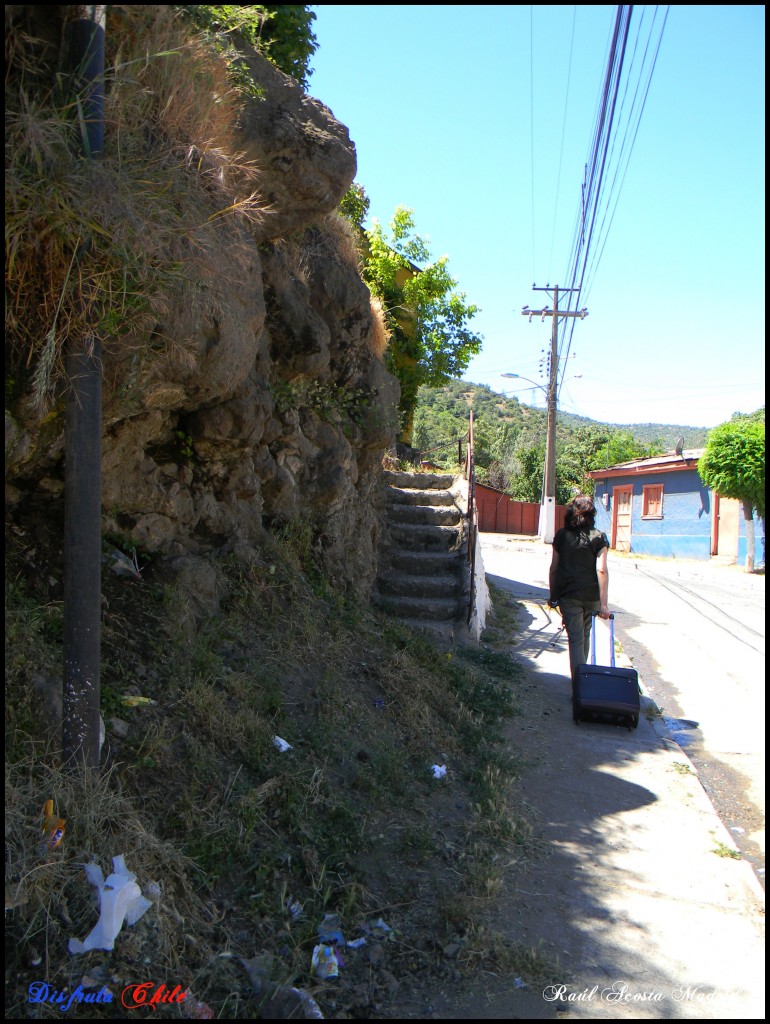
(695, 631)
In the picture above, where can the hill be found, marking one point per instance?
(510, 440)
(442, 414)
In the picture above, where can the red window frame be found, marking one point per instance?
(652, 501)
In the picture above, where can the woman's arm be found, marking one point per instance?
(604, 583)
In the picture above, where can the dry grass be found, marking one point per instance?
(342, 236)
(332, 238)
(98, 247)
(381, 334)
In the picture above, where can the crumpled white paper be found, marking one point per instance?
(120, 901)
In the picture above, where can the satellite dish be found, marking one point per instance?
(679, 446)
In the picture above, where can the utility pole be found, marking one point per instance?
(548, 504)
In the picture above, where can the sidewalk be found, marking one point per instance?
(635, 894)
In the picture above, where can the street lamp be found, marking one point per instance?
(518, 376)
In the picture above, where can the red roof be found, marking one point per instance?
(669, 463)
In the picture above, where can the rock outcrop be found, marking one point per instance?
(255, 395)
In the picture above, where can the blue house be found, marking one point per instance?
(660, 506)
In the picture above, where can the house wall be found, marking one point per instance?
(684, 531)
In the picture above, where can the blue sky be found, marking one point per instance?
(459, 114)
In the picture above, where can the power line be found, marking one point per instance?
(602, 233)
(590, 193)
(596, 213)
(532, 124)
(594, 175)
(563, 131)
(610, 206)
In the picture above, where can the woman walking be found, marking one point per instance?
(579, 580)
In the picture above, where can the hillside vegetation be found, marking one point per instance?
(510, 439)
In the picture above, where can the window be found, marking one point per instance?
(652, 501)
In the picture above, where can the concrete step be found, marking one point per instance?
(424, 515)
(410, 496)
(438, 609)
(419, 481)
(403, 585)
(411, 537)
(423, 580)
(427, 563)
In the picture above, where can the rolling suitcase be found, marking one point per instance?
(605, 691)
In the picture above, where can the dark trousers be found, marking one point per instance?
(577, 620)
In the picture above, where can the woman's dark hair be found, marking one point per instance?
(581, 513)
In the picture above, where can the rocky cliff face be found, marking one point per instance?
(255, 393)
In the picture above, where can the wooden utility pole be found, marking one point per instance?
(548, 504)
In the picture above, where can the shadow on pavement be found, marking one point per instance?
(611, 894)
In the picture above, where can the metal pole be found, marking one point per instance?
(83, 441)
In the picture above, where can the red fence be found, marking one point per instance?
(500, 514)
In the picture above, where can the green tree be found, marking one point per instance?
(595, 447)
(528, 465)
(733, 464)
(431, 341)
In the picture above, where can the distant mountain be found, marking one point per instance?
(693, 437)
(648, 433)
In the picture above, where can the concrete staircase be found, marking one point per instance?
(423, 577)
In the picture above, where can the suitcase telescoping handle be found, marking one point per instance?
(594, 616)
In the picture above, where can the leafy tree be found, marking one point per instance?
(733, 464)
(431, 341)
(355, 206)
(528, 466)
(596, 447)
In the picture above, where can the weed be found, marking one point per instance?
(497, 954)
(722, 850)
(332, 402)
